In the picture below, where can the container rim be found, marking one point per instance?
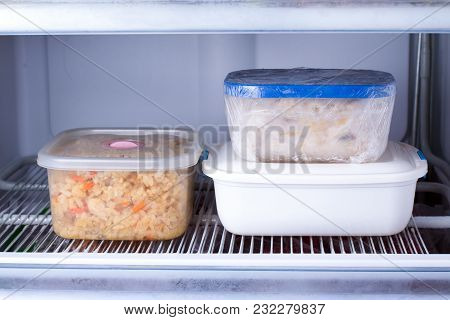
(413, 167)
(309, 83)
(56, 162)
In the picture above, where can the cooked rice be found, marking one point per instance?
(118, 205)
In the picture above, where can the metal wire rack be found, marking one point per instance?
(25, 226)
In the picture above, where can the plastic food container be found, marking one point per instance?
(333, 199)
(121, 184)
(309, 115)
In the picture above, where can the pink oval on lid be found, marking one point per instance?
(124, 144)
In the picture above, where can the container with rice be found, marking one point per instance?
(121, 184)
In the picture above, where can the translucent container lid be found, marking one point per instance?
(121, 150)
(309, 83)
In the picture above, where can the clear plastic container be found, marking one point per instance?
(309, 115)
(121, 184)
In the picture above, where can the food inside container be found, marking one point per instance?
(309, 115)
(318, 199)
(121, 184)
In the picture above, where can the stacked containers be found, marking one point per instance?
(338, 122)
(121, 184)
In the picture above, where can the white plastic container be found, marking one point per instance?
(316, 199)
(121, 184)
(309, 115)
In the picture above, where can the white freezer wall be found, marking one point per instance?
(104, 81)
(128, 80)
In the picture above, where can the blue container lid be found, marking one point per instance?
(309, 83)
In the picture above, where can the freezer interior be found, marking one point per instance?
(52, 83)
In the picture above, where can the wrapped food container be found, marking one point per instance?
(318, 199)
(309, 115)
(121, 184)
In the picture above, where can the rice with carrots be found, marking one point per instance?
(118, 205)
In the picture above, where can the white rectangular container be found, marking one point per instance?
(333, 199)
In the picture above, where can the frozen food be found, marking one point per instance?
(121, 184)
(309, 115)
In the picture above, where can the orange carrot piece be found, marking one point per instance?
(88, 185)
(125, 203)
(77, 178)
(138, 206)
(77, 210)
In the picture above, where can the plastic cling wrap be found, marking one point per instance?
(309, 115)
